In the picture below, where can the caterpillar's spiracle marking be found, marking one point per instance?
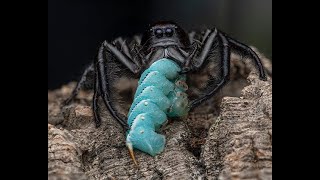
(160, 93)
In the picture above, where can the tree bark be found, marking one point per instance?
(235, 144)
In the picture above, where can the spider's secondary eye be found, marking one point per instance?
(169, 32)
(158, 33)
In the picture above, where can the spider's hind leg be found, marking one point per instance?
(86, 81)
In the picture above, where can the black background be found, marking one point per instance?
(77, 27)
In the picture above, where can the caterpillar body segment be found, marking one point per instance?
(155, 95)
(160, 94)
(155, 114)
(167, 67)
(155, 78)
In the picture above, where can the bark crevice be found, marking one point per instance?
(235, 143)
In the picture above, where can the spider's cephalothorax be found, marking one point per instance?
(164, 34)
(164, 40)
(190, 51)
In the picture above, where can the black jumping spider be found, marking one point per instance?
(162, 40)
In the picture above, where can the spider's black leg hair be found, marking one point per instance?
(189, 56)
(123, 46)
(138, 56)
(104, 86)
(225, 71)
(136, 51)
(84, 78)
(95, 99)
(243, 49)
(134, 68)
(126, 50)
(107, 51)
(175, 53)
(208, 39)
(206, 34)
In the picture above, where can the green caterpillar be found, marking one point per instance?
(160, 93)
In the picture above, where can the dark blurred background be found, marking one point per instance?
(77, 27)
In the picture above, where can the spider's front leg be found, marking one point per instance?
(193, 62)
(225, 63)
(224, 43)
(131, 53)
(245, 50)
(106, 52)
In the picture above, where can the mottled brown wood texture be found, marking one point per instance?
(235, 143)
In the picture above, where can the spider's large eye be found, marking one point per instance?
(158, 33)
(169, 32)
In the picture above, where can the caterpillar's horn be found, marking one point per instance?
(130, 148)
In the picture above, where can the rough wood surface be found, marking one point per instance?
(239, 144)
(235, 144)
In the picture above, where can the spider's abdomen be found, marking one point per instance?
(160, 93)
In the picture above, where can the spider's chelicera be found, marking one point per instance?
(162, 40)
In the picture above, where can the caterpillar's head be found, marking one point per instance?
(164, 34)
